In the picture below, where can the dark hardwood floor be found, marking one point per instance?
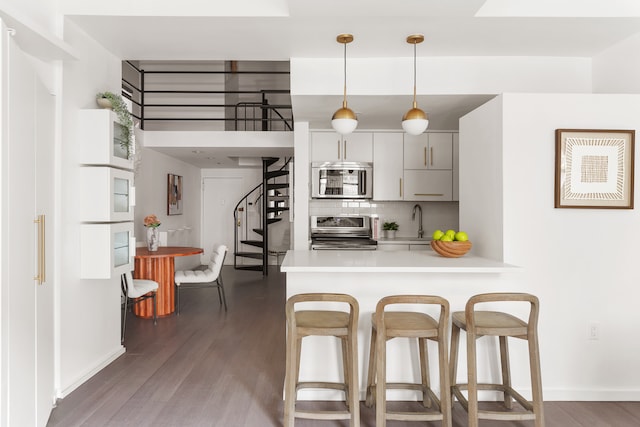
(211, 368)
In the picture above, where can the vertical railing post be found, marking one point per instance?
(142, 99)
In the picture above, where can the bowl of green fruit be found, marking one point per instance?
(450, 244)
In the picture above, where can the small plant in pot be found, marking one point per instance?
(115, 102)
(390, 228)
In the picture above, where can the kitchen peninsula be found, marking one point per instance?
(369, 276)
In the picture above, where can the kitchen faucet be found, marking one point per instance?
(420, 231)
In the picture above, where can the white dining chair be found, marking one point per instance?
(210, 277)
(135, 291)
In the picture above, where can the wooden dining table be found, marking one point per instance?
(159, 266)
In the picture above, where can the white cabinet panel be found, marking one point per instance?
(456, 167)
(331, 146)
(428, 185)
(387, 166)
(107, 194)
(431, 151)
(107, 250)
(100, 136)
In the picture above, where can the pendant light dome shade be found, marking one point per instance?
(415, 121)
(344, 120)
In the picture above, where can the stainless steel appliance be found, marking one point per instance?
(350, 232)
(341, 180)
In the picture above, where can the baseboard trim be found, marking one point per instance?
(61, 394)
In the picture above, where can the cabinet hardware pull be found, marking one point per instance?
(345, 149)
(41, 274)
(338, 149)
(425, 156)
(401, 187)
(431, 155)
(426, 194)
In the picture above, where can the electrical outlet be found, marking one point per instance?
(594, 331)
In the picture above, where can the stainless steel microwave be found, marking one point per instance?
(341, 180)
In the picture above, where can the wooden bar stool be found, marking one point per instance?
(341, 324)
(494, 323)
(387, 325)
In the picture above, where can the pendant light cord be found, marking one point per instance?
(344, 99)
(415, 104)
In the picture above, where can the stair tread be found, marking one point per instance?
(257, 243)
(256, 255)
(279, 209)
(272, 220)
(249, 267)
(260, 231)
(276, 186)
(274, 174)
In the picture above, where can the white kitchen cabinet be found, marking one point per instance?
(100, 138)
(106, 250)
(428, 185)
(333, 147)
(388, 166)
(430, 151)
(456, 168)
(106, 194)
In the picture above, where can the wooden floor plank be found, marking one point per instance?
(208, 367)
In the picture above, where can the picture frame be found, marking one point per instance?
(594, 168)
(174, 194)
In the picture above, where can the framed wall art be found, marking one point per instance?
(594, 168)
(174, 195)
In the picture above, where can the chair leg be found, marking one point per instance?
(221, 294)
(177, 299)
(354, 394)
(506, 373)
(344, 343)
(155, 308)
(381, 379)
(124, 319)
(290, 379)
(536, 381)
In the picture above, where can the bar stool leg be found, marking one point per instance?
(453, 358)
(290, 379)
(445, 384)
(506, 371)
(424, 372)
(354, 393)
(536, 380)
(472, 376)
(381, 380)
(371, 376)
(345, 369)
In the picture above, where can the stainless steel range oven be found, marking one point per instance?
(342, 232)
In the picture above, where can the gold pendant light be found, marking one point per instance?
(415, 121)
(344, 120)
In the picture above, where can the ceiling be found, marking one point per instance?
(275, 30)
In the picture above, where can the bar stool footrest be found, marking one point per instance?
(497, 415)
(321, 385)
(413, 416)
(323, 415)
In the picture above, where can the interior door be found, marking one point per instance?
(220, 196)
(27, 365)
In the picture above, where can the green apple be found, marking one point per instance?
(446, 238)
(450, 233)
(461, 236)
(437, 234)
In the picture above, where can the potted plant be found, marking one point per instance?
(390, 228)
(115, 102)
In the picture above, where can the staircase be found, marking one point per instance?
(272, 195)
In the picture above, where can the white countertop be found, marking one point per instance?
(328, 261)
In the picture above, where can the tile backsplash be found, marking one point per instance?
(435, 215)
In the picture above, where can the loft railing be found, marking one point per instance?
(257, 115)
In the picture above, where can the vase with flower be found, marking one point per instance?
(153, 238)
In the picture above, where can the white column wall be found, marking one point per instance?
(616, 69)
(579, 262)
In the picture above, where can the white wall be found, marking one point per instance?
(89, 310)
(151, 198)
(616, 69)
(579, 262)
(442, 75)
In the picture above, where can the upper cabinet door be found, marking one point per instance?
(107, 194)
(387, 166)
(431, 151)
(333, 147)
(101, 137)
